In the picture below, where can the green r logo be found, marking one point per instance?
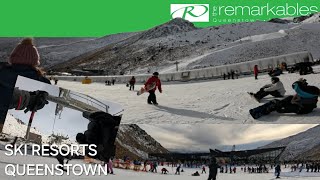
(191, 11)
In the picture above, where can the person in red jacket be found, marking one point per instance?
(153, 80)
(256, 71)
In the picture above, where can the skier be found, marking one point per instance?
(145, 166)
(113, 81)
(153, 80)
(275, 89)
(213, 169)
(55, 81)
(132, 82)
(155, 165)
(102, 131)
(110, 166)
(178, 170)
(232, 74)
(203, 170)
(277, 170)
(303, 102)
(255, 71)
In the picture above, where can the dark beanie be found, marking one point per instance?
(156, 74)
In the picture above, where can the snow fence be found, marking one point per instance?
(243, 68)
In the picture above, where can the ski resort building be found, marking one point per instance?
(266, 155)
(254, 156)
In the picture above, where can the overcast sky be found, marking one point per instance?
(201, 137)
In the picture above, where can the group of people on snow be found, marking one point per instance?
(303, 102)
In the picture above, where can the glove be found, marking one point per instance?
(38, 99)
(160, 91)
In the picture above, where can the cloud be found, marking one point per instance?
(201, 137)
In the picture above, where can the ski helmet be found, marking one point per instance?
(156, 74)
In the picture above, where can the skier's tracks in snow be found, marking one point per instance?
(222, 107)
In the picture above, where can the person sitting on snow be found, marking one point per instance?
(275, 89)
(303, 102)
(164, 171)
(195, 174)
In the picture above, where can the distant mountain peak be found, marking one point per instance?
(177, 25)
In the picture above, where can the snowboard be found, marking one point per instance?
(252, 96)
(146, 89)
(262, 110)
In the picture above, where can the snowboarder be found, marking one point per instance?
(255, 71)
(275, 72)
(275, 89)
(152, 96)
(213, 169)
(303, 102)
(203, 170)
(132, 82)
(277, 170)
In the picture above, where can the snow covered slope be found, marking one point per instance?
(198, 101)
(160, 47)
(134, 142)
(304, 145)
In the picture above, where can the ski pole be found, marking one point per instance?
(29, 125)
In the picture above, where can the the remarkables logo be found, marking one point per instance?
(191, 12)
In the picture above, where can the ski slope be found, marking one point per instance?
(219, 101)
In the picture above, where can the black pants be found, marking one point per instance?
(131, 87)
(261, 94)
(256, 76)
(152, 97)
(285, 106)
(212, 177)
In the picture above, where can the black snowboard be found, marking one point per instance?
(264, 109)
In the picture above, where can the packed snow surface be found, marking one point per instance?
(218, 101)
(134, 175)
